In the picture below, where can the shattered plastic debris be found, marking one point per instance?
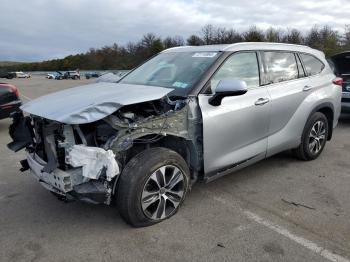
(93, 160)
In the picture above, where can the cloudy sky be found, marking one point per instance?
(34, 30)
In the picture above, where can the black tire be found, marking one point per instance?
(303, 152)
(136, 174)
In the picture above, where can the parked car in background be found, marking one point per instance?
(341, 66)
(50, 75)
(55, 75)
(187, 114)
(109, 77)
(9, 100)
(6, 74)
(92, 75)
(20, 74)
(71, 75)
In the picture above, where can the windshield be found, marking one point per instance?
(177, 70)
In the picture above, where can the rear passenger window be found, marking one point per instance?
(312, 65)
(281, 66)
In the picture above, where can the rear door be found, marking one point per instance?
(288, 87)
(235, 131)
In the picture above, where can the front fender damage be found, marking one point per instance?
(84, 161)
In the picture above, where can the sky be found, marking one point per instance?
(35, 30)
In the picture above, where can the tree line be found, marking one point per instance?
(119, 57)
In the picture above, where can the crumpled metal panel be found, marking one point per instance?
(89, 103)
(93, 160)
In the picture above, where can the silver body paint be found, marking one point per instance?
(220, 139)
(238, 132)
(89, 103)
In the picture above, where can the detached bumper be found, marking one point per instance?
(69, 184)
(86, 177)
(57, 181)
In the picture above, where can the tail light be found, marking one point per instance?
(338, 81)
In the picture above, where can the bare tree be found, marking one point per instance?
(224, 36)
(208, 34)
(194, 40)
(173, 41)
(128, 56)
(346, 38)
(293, 36)
(254, 34)
(273, 35)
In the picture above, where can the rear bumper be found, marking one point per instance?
(345, 102)
(7, 109)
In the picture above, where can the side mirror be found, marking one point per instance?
(228, 87)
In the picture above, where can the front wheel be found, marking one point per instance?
(152, 187)
(314, 137)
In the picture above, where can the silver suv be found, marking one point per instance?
(187, 114)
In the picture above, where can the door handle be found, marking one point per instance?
(261, 101)
(307, 88)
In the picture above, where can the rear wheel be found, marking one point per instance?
(314, 137)
(152, 187)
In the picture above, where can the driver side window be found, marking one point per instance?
(241, 66)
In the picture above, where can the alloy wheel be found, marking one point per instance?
(163, 192)
(317, 137)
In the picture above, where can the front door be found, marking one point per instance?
(235, 131)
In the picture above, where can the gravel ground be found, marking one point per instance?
(246, 216)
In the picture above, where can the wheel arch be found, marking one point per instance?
(185, 148)
(327, 109)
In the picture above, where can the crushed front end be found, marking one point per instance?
(84, 161)
(60, 159)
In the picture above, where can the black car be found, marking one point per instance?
(340, 64)
(6, 74)
(9, 100)
(92, 75)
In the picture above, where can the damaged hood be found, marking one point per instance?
(89, 103)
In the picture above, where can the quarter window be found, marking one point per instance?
(281, 66)
(240, 66)
(312, 65)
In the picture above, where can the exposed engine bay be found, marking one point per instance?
(84, 161)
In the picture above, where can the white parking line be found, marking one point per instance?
(327, 254)
(299, 240)
(25, 97)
